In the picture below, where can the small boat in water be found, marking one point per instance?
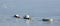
(50, 20)
(27, 17)
(17, 16)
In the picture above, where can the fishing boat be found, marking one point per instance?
(50, 20)
(27, 17)
(17, 16)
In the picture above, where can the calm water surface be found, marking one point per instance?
(37, 9)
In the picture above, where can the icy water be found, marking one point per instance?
(37, 9)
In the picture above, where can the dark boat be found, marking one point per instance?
(27, 17)
(17, 16)
(45, 19)
(50, 20)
